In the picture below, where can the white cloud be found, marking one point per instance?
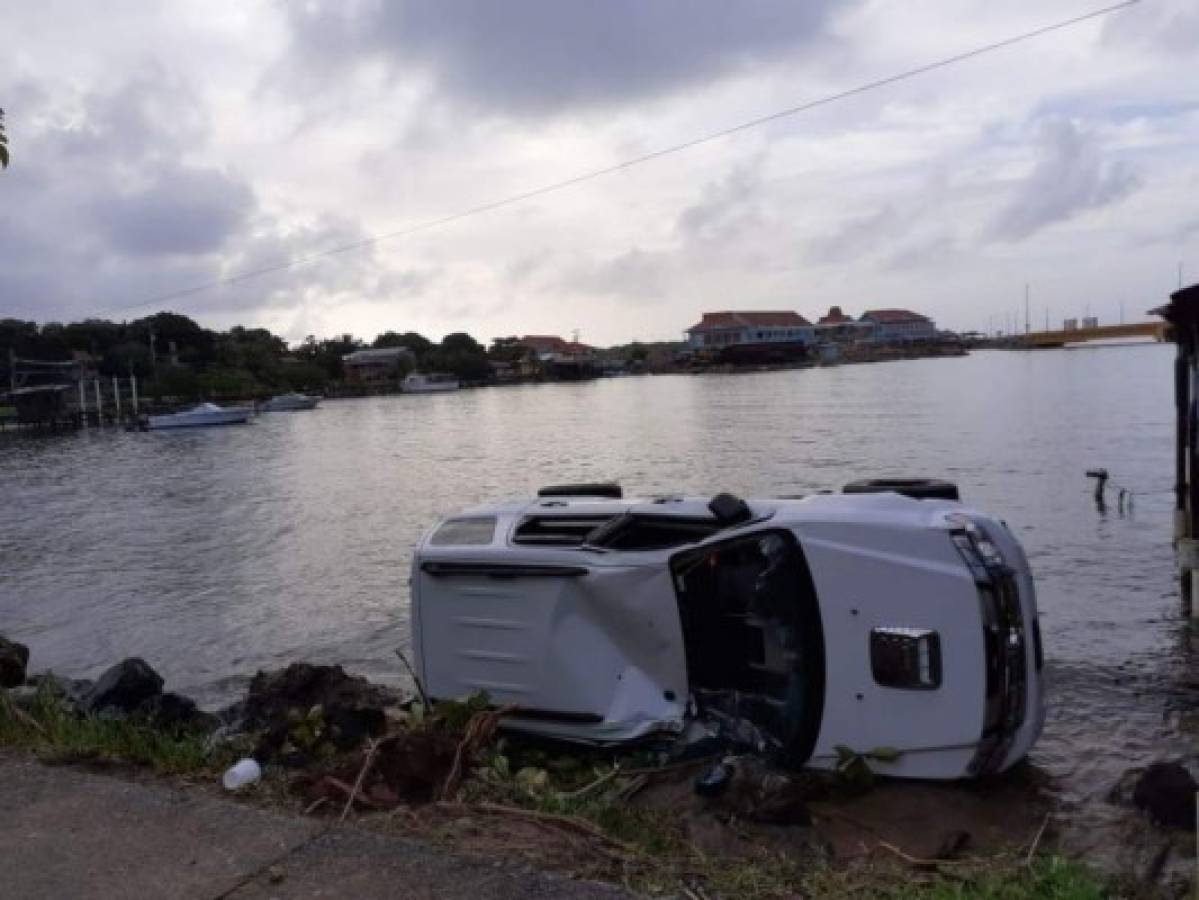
(1070, 176)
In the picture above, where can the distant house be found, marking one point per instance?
(549, 347)
(559, 358)
(899, 325)
(751, 331)
(377, 366)
(838, 328)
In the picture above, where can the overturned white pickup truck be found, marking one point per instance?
(863, 620)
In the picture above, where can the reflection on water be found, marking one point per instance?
(214, 552)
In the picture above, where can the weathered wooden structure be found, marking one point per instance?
(1182, 314)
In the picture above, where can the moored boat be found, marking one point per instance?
(429, 383)
(284, 402)
(201, 415)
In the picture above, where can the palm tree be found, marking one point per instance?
(3, 144)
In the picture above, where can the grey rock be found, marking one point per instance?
(176, 713)
(1166, 791)
(14, 658)
(25, 696)
(352, 707)
(124, 687)
(73, 690)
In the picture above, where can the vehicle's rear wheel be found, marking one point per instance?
(919, 488)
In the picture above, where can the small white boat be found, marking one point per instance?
(282, 402)
(429, 383)
(204, 414)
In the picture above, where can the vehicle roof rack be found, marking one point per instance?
(730, 510)
(608, 489)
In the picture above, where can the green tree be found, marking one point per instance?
(131, 356)
(417, 343)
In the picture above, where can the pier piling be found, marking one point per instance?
(1182, 313)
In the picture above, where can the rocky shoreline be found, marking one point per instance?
(334, 744)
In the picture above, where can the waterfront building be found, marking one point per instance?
(891, 326)
(377, 366)
(838, 328)
(745, 336)
(556, 357)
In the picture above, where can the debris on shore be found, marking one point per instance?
(336, 745)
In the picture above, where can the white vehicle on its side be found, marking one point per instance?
(865, 621)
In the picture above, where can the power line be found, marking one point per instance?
(629, 163)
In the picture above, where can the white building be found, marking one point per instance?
(734, 329)
(899, 325)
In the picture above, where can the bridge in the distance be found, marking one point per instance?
(1059, 338)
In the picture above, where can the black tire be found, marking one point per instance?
(919, 488)
(607, 490)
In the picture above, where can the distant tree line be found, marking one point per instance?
(174, 356)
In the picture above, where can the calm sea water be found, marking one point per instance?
(215, 552)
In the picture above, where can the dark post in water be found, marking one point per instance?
(1182, 312)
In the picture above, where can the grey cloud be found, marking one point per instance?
(634, 275)
(856, 238)
(539, 56)
(1169, 25)
(1069, 177)
(728, 208)
(187, 210)
(931, 249)
(103, 212)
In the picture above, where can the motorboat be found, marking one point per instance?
(201, 415)
(429, 383)
(286, 402)
(889, 623)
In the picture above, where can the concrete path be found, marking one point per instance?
(65, 833)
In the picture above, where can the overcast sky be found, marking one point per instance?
(160, 146)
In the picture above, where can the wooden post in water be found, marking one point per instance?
(1182, 313)
(116, 398)
(82, 402)
(99, 404)
(133, 388)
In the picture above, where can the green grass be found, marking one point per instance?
(57, 733)
(1047, 878)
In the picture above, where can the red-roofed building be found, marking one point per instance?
(746, 333)
(891, 325)
(838, 328)
(835, 317)
(550, 346)
(555, 357)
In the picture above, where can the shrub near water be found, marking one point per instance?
(57, 733)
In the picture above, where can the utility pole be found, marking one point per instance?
(1027, 328)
